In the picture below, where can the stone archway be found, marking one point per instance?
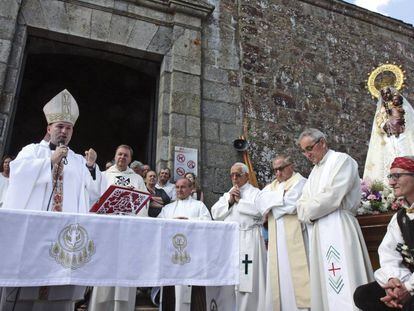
(169, 31)
(116, 97)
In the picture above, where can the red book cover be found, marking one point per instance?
(120, 200)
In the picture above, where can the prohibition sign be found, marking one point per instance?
(180, 171)
(191, 164)
(180, 158)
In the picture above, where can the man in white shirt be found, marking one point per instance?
(394, 286)
(164, 183)
(185, 207)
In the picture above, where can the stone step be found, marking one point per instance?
(146, 308)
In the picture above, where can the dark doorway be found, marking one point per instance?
(116, 99)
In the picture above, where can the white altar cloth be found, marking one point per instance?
(40, 248)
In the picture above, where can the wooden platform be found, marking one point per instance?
(374, 228)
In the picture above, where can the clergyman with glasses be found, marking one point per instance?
(238, 205)
(338, 256)
(287, 279)
(394, 280)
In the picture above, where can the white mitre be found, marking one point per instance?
(62, 108)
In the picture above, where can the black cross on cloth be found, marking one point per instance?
(122, 181)
(246, 262)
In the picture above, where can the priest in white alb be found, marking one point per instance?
(338, 256)
(238, 205)
(109, 298)
(185, 207)
(120, 174)
(49, 176)
(287, 282)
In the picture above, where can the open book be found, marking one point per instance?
(120, 200)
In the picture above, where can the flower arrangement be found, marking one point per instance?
(377, 198)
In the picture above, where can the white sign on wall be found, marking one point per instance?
(185, 161)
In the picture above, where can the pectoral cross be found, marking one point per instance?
(246, 262)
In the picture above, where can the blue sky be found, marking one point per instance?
(399, 9)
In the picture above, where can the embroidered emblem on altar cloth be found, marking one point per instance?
(213, 305)
(333, 261)
(122, 181)
(180, 256)
(73, 249)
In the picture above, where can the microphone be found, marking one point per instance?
(64, 159)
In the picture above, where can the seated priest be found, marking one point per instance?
(49, 176)
(394, 280)
(185, 298)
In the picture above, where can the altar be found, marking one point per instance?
(42, 248)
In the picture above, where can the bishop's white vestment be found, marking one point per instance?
(107, 298)
(30, 188)
(250, 293)
(287, 279)
(195, 210)
(30, 184)
(338, 256)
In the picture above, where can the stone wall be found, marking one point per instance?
(265, 69)
(293, 64)
(168, 32)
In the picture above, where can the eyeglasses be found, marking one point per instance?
(396, 176)
(237, 175)
(310, 148)
(281, 168)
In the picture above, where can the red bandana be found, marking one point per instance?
(404, 163)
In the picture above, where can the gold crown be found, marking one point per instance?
(385, 75)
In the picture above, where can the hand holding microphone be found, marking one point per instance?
(60, 154)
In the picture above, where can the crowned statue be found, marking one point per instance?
(392, 132)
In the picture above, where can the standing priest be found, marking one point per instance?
(238, 205)
(339, 259)
(287, 282)
(110, 298)
(49, 176)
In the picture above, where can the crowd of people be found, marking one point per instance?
(316, 256)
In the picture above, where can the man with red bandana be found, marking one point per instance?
(394, 286)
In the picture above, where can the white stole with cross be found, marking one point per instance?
(331, 245)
